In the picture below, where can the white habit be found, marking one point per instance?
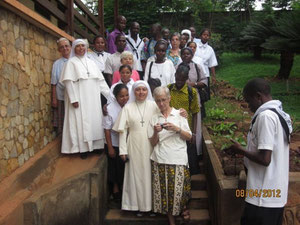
(83, 131)
(137, 193)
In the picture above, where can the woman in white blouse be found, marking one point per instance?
(162, 68)
(168, 133)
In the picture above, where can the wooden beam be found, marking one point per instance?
(85, 22)
(101, 16)
(34, 18)
(81, 6)
(116, 11)
(53, 9)
(83, 33)
(70, 17)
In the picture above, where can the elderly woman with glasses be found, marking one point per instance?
(168, 133)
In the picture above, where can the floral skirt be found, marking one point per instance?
(171, 188)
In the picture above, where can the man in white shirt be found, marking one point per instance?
(194, 39)
(113, 62)
(136, 45)
(266, 157)
(58, 89)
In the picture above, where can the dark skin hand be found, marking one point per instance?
(261, 157)
(75, 104)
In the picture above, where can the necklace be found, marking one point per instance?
(85, 66)
(142, 116)
(160, 69)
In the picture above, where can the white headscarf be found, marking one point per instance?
(186, 31)
(137, 84)
(78, 42)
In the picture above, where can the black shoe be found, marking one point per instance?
(83, 155)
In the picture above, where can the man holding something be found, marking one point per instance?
(266, 157)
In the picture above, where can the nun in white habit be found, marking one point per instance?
(134, 145)
(82, 131)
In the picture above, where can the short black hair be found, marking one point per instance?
(183, 68)
(125, 66)
(119, 36)
(191, 42)
(257, 85)
(205, 29)
(187, 49)
(98, 36)
(118, 88)
(161, 42)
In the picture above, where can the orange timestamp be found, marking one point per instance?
(264, 193)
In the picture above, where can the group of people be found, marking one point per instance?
(142, 100)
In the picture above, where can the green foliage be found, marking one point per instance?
(216, 114)
(240, 139)
(217, 44)
(286, 33)
(223, 128)
(257, 31)
(238, 68)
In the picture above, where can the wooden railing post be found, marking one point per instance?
(101, 16)
(116, 11)
(70, 17)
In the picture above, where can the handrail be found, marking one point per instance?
(72, 16)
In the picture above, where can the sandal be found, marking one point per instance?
(186, 215)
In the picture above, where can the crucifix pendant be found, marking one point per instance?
(142, 122)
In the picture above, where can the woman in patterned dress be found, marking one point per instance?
(171, 183)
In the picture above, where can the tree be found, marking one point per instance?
(256, 33)
(286, 40)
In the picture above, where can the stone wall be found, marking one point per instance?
(26, 57)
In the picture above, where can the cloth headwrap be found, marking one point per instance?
(77, 42)
(137, 84)
(186, 31)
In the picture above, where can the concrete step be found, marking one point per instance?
(119, 217)
(199, 200)
(198, 182)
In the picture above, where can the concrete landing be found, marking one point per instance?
(47, 169)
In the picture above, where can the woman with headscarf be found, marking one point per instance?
(187, 33)
(84, 83)
(135, 148)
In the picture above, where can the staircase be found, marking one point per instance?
(198, 207)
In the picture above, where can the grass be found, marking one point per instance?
(238, 68)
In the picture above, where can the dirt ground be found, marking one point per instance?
(233, 165)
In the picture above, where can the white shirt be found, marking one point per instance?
(108, 122)
(164, 71)
(57, 68)
(99, 59)
(136, 48)
(111, 96)
(207, 54)
(267, 133)
(113, 63)
(199, 61)
(170, 149)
